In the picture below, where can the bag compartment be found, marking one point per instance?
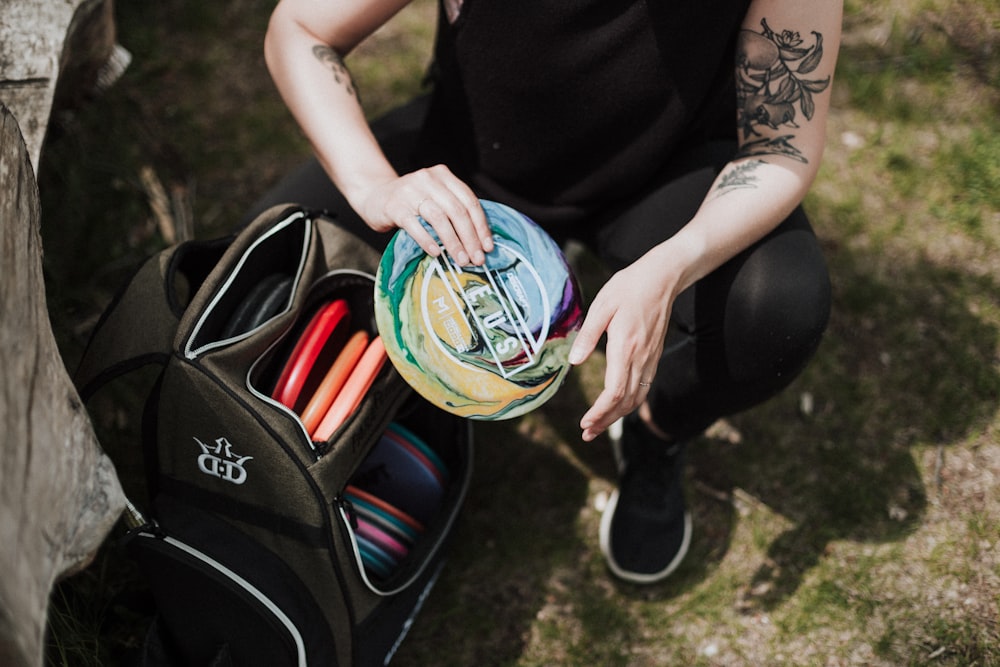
(323, 363)
(238, 614)
(256, 284)
(374, 523)
(189, 267)
(355, 289)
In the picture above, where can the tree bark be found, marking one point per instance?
(48, 42)
(59, 494)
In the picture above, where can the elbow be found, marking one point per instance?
(271, 42)
(283, 30)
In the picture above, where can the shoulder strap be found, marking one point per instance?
(138, 327)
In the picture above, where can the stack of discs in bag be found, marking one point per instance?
(396, 491)
(326, 374)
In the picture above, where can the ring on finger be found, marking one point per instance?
(644, 384)
(419, 204)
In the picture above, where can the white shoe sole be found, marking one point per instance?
(639, 577)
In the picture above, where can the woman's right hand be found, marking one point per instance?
(447, 204)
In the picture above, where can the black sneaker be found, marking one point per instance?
(645, 529)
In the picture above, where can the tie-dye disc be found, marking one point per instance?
(483, 342)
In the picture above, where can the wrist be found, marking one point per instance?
(360, 188)
(683, 255)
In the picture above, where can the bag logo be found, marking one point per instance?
(227, 467)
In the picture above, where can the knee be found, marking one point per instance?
(780, 312)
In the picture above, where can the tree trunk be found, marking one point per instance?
(59, 494)
(48, 42)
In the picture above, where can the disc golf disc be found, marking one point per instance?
(316, 342)
(394, 472)
(382, 539)
(483, 342)
(401, 531)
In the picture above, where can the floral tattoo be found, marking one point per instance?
(772, 85)
(341, 75)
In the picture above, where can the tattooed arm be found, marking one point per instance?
(304, 48)
(786, 56)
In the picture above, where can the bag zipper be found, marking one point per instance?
(250, 589)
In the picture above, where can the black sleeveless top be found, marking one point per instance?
(561, 108)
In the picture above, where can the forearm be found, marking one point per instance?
(312, 79)
(749, 198)
(304, 46)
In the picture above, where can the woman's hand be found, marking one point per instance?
(633, 307)
(447, 204)
(305, 47)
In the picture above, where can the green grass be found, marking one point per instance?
(864, 531)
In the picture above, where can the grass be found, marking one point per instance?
(854, 519)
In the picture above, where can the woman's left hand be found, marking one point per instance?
(633, 307)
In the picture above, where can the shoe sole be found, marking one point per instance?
(639, 577)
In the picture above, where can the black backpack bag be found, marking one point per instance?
(251, 540)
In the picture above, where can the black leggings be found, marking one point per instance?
(737, 337)
(745, 331)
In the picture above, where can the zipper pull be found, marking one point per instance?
(135, 522)
(320, 448)
(344, 504)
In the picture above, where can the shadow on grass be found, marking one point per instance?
(906, 362)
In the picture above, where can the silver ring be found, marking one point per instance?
(644, 384)
(420, 203)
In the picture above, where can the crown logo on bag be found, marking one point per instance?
(227, 467)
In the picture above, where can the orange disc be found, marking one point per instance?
(354, 389)
(334, 379)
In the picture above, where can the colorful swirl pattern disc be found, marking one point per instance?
(482, 342)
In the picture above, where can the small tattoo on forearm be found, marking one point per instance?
(772, 86)
(341, 74)
(739, 177)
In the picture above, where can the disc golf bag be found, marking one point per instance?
(253, 548)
